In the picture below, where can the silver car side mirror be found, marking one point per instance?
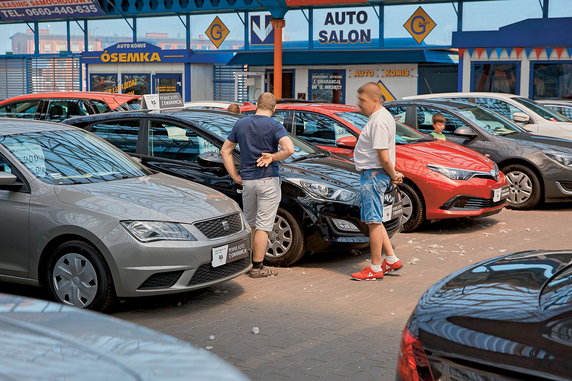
(520, 117)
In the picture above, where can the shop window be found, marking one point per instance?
(137, 84)
(103, 82)
(327, 85)
(552, 80)
(318, 129)
(499, 78)
(20, 109)
(425, 120)
(61, 109)
(121, 133)
(174, 142)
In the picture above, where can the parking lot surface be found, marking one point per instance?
(313, 322)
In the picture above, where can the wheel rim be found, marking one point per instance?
(521, 188)
(280, 238)
(75, 280)
(407, 208)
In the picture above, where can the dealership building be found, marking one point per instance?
(319, 50)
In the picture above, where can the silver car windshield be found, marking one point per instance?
(71, 157)
(490, 121)
(544, 112)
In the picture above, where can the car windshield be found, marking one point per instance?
(71, 157)
(403, 134)
(544, 112)
(222, 124)
(489, 121)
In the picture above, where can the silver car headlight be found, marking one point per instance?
(455, 173)
(325, 191)
(149, 231)
(560, 157)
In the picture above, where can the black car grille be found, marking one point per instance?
(220, 227)
(471, 203)
(392, 225)
(161, 280)
(206, 273)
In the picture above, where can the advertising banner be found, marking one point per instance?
(25, 10)
(135, 52)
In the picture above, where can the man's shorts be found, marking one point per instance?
(372, 190)
(260, 200)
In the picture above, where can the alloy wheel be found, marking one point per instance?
(75, 280)
(280, 238)
(520, 187)
(407, 208)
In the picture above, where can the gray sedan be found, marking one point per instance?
(84, 220)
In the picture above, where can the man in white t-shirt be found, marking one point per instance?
(374, 157)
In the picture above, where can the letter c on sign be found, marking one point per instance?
(418, 25)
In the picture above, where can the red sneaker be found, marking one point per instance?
(387, 267)
(368, 274)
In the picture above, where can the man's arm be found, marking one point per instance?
(286, 149)
(228, 160)
(388, 167)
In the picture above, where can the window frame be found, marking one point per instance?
(139, 142)
(517, 71)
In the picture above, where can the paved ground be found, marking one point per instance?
(314, 322)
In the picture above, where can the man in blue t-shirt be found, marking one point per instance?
(258, 136)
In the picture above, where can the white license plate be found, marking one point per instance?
(222, 255)
(387, 213)
(497, 194)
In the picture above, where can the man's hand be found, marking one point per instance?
(237, 179)
(398, 179)
(265, 160)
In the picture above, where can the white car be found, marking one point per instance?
(532, 116)
(562, 106)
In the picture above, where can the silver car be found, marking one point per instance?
(86, 221)
(41, 340)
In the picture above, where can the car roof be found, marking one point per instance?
(447, 103)
(560, 102)
(463, 94)
(114, 100)
(331, 107)
(174, 112)
(14, 126)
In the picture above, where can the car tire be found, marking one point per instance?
(524, 187)
(77, 275)
(413, 208)
(285, 241)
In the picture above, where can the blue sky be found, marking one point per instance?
(488, 15)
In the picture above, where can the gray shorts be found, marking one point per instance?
(260, 200)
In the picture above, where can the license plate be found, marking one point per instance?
(392, 211)
(222, 255)
(497, 194)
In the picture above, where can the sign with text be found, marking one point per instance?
(293, 3)
(419, 25)
(345, 27)
(217, 32)
(24, 10)
(162, 101)
(327, 85)
(135, 52)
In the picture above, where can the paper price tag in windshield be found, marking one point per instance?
(31, 155)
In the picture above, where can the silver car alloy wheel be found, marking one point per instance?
(520, 187)
(407, 208)
(280, 238)
(75, 280)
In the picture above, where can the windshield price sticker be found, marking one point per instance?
(31, 155)
(12, 10)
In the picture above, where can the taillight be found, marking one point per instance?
(412, 363)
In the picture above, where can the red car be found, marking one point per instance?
(63, 105)
(442, 179)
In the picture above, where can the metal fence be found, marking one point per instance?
(224, 82)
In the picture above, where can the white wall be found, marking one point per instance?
(202, 87)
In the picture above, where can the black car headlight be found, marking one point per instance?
(562, 158)
(323, 191)
(149, 231)
(455, 173)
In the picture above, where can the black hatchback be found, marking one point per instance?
(319, 211)
(538, 168)
(506, 318)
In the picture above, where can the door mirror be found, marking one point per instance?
(520, 117)
(465, 131)
(8, 182)
(210, 160)
(347, 142)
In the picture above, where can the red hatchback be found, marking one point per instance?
(442, 179)
(63, 105)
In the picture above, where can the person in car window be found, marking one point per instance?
(258, 136)
(374, 157)
(438, 124)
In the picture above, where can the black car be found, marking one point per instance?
(506, 318)
(538, 168)
(319, 209)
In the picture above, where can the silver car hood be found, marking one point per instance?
(41, 340)
(156, 197)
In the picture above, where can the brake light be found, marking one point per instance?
(412, 363)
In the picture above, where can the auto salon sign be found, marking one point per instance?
(22, 10)
(345, 27)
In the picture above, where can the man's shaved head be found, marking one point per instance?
(371, 90)
(266, 101)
